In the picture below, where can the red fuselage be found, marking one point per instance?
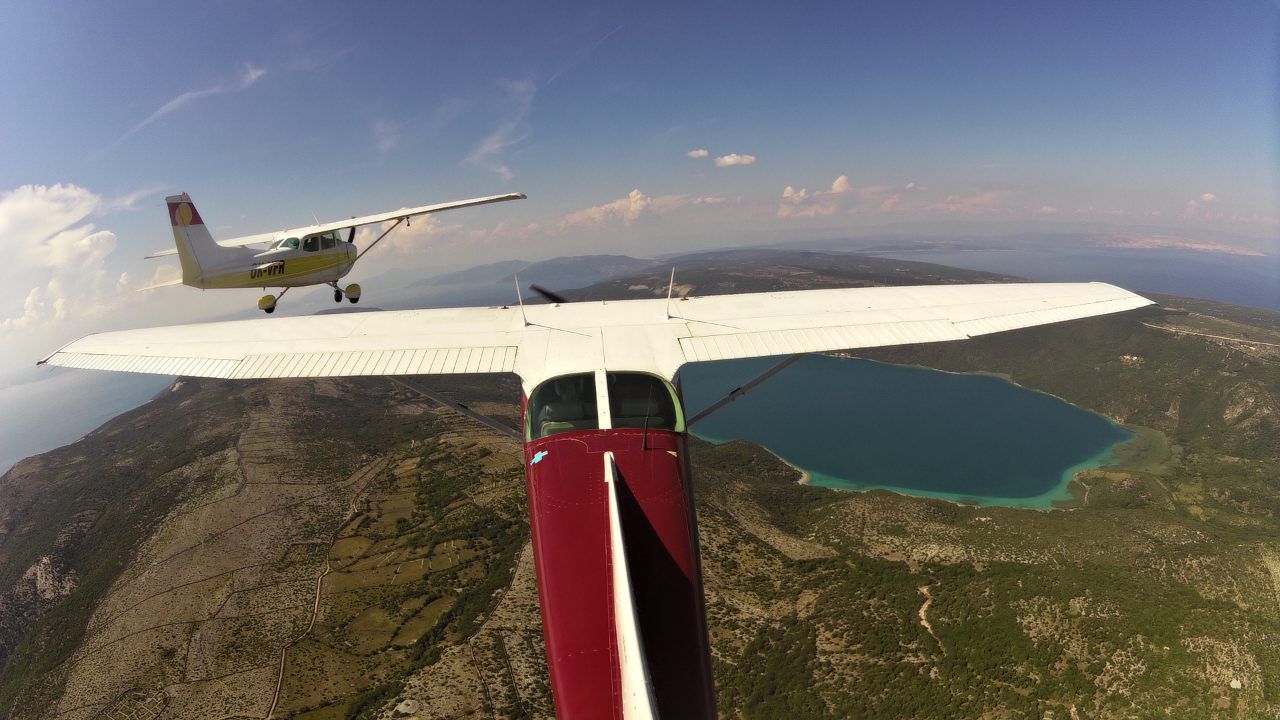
(569, 518)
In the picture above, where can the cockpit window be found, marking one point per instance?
(311, 243)
(563, 404)
(329, 240)
(637, 400)
(291, 243)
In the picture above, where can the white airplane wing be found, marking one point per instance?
(353, 222)
(543, 341)
(377, 218)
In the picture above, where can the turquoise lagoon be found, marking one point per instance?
(862, 425)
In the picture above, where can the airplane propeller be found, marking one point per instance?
(548, 295)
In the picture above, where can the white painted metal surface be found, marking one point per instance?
(638, 702)
(553, 340)
(352, 222)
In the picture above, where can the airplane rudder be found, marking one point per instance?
(182, 211)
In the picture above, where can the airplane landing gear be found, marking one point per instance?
(337, 294)
(267, 303)
(353, 293)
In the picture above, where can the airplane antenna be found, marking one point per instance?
(670, 286)
(520, 299)
(313, 217)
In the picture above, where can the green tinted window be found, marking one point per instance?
(639, 400)
(562, 404)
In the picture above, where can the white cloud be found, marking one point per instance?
(1198, 209)
(246, 80)
(1047, 210)
(491, 153)
(843, 195)
(735, 159)
(130, 201)
(627, 210)
(54, 249)
(699, 153)
(976, 204)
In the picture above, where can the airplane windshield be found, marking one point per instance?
(563, 404)
(638, 400)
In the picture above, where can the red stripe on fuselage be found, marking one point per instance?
(568, 510)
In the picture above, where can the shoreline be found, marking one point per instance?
(1062, 496)
(1069, 493)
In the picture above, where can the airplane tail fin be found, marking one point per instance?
(196, 247)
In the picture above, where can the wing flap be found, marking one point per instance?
(298, 365)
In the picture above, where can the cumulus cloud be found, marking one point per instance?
(491, 153)
(699, 153)
(842, 196)
(248, 77)
(54, 248)
(626, 210)
(1199, 207)
(735, 159)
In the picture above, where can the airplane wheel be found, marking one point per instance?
(337, 296)
(354, 300)
(269, 310)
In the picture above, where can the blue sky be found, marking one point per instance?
(817, 119)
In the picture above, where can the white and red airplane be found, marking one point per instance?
(610, 501)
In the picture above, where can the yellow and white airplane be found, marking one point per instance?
(298, 257)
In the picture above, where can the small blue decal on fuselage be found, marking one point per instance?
(537, 457)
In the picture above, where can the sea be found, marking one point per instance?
(862, 425)
(1239, 279)
(63, 405)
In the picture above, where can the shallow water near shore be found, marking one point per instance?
(858, 424)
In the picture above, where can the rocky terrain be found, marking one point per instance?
(350, 548)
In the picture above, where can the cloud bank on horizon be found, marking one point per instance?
(629, 137)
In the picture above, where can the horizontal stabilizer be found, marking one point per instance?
(166, 283)
(247, 240)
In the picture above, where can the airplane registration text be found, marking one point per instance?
(276, 268)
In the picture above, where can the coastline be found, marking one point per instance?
(1131, 448)
(1060, 497)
